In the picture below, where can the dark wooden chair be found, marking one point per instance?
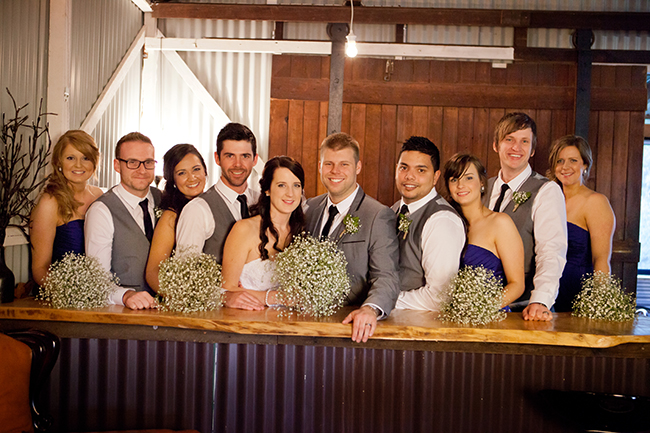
(26, 361)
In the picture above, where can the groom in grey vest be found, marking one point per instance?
(537, 208)
(204, 223)
(363, 229)
(430, 231)
(119, 225)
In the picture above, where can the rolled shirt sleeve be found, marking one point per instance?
(443, 239)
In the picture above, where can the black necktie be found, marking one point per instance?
(146, 217)
(497, 205)
(243, 206)
(404, 210)
(328, 225)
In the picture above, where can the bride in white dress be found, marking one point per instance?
(248, 267)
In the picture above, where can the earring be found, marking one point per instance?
(60, 169)
(482, 189)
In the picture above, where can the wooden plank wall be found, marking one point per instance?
(457, 105)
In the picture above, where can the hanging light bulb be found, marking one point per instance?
(351, 48)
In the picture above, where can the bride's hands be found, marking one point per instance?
(243, 300)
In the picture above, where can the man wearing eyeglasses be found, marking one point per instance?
(119, 225)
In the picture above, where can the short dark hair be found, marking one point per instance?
(424, 145)
(340, 141)
(513, 122)
(236, 132)
(131, 136)
(172, 198)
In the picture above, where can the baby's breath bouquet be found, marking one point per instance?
(475, 297)
(602, 298)
(77, 281)
(312, 275)
(190, 281)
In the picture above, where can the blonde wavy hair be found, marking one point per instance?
(57, 185)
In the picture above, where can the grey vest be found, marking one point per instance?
(411, 273)
(524, 221)
(130, 245)
(223, 222)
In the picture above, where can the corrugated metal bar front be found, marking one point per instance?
(102, 31)
(116, 384)
(100, 385)
(23, 70)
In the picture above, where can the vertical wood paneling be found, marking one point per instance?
(615, 136)
(310, 146)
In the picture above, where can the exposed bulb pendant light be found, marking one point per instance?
(351, 46)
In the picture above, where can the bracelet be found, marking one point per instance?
(266, 300)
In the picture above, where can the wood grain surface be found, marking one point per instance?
(402, 325)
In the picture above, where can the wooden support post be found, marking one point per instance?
(58, 70)
(582, 40)
(337, 33)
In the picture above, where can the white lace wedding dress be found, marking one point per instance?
(258, 275)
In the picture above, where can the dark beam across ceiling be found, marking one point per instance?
(399, 15)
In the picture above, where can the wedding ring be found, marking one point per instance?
(545, 312)
(368, 324)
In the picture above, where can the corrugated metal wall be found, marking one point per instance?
(23, 70)
(102, 31)
(239, 83)
(116, 384)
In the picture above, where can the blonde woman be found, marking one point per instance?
(57, 220)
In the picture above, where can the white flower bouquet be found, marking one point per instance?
(313, 277)
(475, 297)
(602, 298)
(77, 281)
(190, 281)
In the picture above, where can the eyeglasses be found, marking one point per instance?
(134, 164)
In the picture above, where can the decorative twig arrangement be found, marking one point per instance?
(23, 157)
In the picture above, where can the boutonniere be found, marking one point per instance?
(404, 224)
(157, 212)
(351, 224)
(520, 197)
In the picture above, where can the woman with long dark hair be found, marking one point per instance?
(248, 265)
(492, 238)
(184, 172)
(57, 221)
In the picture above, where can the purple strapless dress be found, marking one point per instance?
(578, 263)
(69, 238)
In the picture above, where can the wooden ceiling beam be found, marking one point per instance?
(399, 15)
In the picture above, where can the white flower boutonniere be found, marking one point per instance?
(520, 197)
(157, 212)
(351, 224)
(404, 224)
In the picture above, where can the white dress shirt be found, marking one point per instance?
(99, 229)
(196, 222)
(549, 225)
(343, 207)
(442, 242)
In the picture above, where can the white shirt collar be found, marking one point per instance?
(227, 192)
(416, 205)
(515, 183)
(131, 200)
(343, 206)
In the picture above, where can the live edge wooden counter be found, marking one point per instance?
(241, 371)
(402, 326)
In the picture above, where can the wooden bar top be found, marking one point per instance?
(402, 325)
